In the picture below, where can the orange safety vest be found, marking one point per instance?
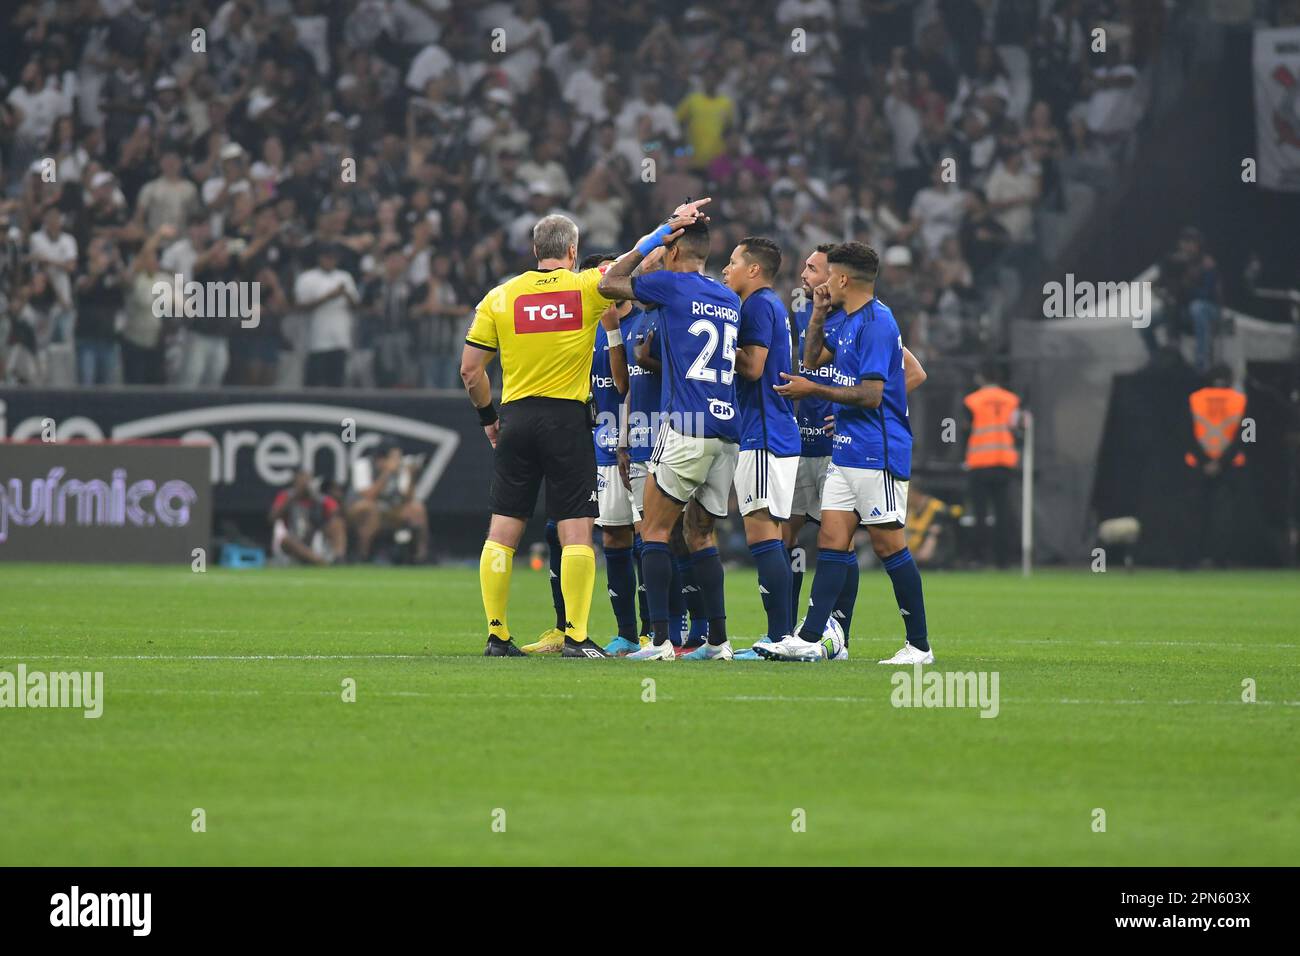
(1216, 416)
(992, 445)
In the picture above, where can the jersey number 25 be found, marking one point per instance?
(700, 370)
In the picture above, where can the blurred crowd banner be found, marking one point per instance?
(109, 501)
(256, 440)
(1277, 107)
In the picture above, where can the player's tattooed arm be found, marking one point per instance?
(815, 352)
(866, 394)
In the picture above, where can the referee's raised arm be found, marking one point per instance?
(542, 326)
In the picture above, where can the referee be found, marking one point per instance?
(543, 324)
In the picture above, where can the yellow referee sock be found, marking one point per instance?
(577, 580)
(494, 568)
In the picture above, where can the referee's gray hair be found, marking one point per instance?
(553, 235)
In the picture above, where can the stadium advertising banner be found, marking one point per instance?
(1277, 107)
(256, 440)
(128, 502)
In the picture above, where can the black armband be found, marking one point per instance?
(487, 415)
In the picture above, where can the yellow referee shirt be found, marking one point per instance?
(544, 326)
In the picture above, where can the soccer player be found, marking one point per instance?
(769, 435)
(645, 403)
(543, 324)
(816, 423)
(618, 514)
(872, 457)
(694, 459)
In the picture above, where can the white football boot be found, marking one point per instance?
(653, 652)
(795, 648)
(910, 655)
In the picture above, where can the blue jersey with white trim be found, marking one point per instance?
(645, 388)
(698, 326)
(766, 417)
(606, 399)
(869, 346)
(812, 412)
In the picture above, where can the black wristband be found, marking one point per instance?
(487, 415)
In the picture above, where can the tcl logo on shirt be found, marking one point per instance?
(548, 312)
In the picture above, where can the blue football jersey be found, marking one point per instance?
(811, 413)
(644, 387)
(606, 399)
(766, 417)
(869, 346)
(699, 320)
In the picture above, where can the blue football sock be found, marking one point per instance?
(657, 564)
(557, 596)
(676, 608)
(774, 585)
(843, 611)
(641, 607)
(692, 598)
(621, 575)
(827, 584)
(907, 591)
(798, 561)
(706, 566)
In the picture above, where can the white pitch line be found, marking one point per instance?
(1099, 643)
(742, 699)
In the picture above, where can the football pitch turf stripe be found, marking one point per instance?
(223, 691)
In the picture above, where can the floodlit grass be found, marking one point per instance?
(224, 691)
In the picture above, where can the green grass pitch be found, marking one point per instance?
(223, 691)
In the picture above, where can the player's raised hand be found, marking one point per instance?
(796, 386)
(691, 208)
(822, 298)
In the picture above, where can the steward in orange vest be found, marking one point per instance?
(991, 461)
(994, 414)
(1217, 411)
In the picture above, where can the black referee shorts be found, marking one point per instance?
(545, 438)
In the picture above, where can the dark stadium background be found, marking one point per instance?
(458, 147)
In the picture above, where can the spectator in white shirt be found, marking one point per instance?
(328, 295)
(168, 200)
(55, 251)
(937, 211)
(663, 118)
(1013, 189)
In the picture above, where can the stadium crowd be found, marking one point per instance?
(375, 165)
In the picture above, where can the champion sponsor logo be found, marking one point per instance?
(548, 312)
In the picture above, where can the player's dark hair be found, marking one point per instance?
(694, 240)
(763, 251)
(825, 247)
(856, 258)
(591, 260)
